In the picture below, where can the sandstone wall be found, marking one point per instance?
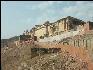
(82, 41)
(86, 27)
(40, 32)
(54, 28)
(61, 26)
(49, 30)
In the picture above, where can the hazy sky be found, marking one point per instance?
(17, 16)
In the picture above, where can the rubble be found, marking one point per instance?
(19, 58)
(58, 61)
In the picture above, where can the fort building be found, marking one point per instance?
(63, 25)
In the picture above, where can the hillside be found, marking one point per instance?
(19, 58)
(4, 42)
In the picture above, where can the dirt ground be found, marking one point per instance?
(70, 58)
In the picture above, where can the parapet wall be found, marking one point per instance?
(42, 51)
(85, 41)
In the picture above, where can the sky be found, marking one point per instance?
(17, 16)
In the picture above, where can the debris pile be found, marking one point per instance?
(58, 61)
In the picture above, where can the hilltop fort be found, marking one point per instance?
(57, 45)
(69, 24)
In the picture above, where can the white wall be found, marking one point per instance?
(59, 37)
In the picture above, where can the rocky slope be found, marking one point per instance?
(69, 58)
(19, 58)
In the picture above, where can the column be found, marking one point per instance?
(86, 44)
(78, 42)
(90, 43)
(74, 43)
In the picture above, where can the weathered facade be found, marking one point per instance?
(61, 26)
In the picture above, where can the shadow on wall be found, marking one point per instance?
(41, 51)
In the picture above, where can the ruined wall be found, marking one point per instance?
(85, 41)
(90, 25)
(49, 30)
(40, 32)
(61, 26)
(41, 51)
(24, 37)
(56, 26)
(53, 28)
(86, 27)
